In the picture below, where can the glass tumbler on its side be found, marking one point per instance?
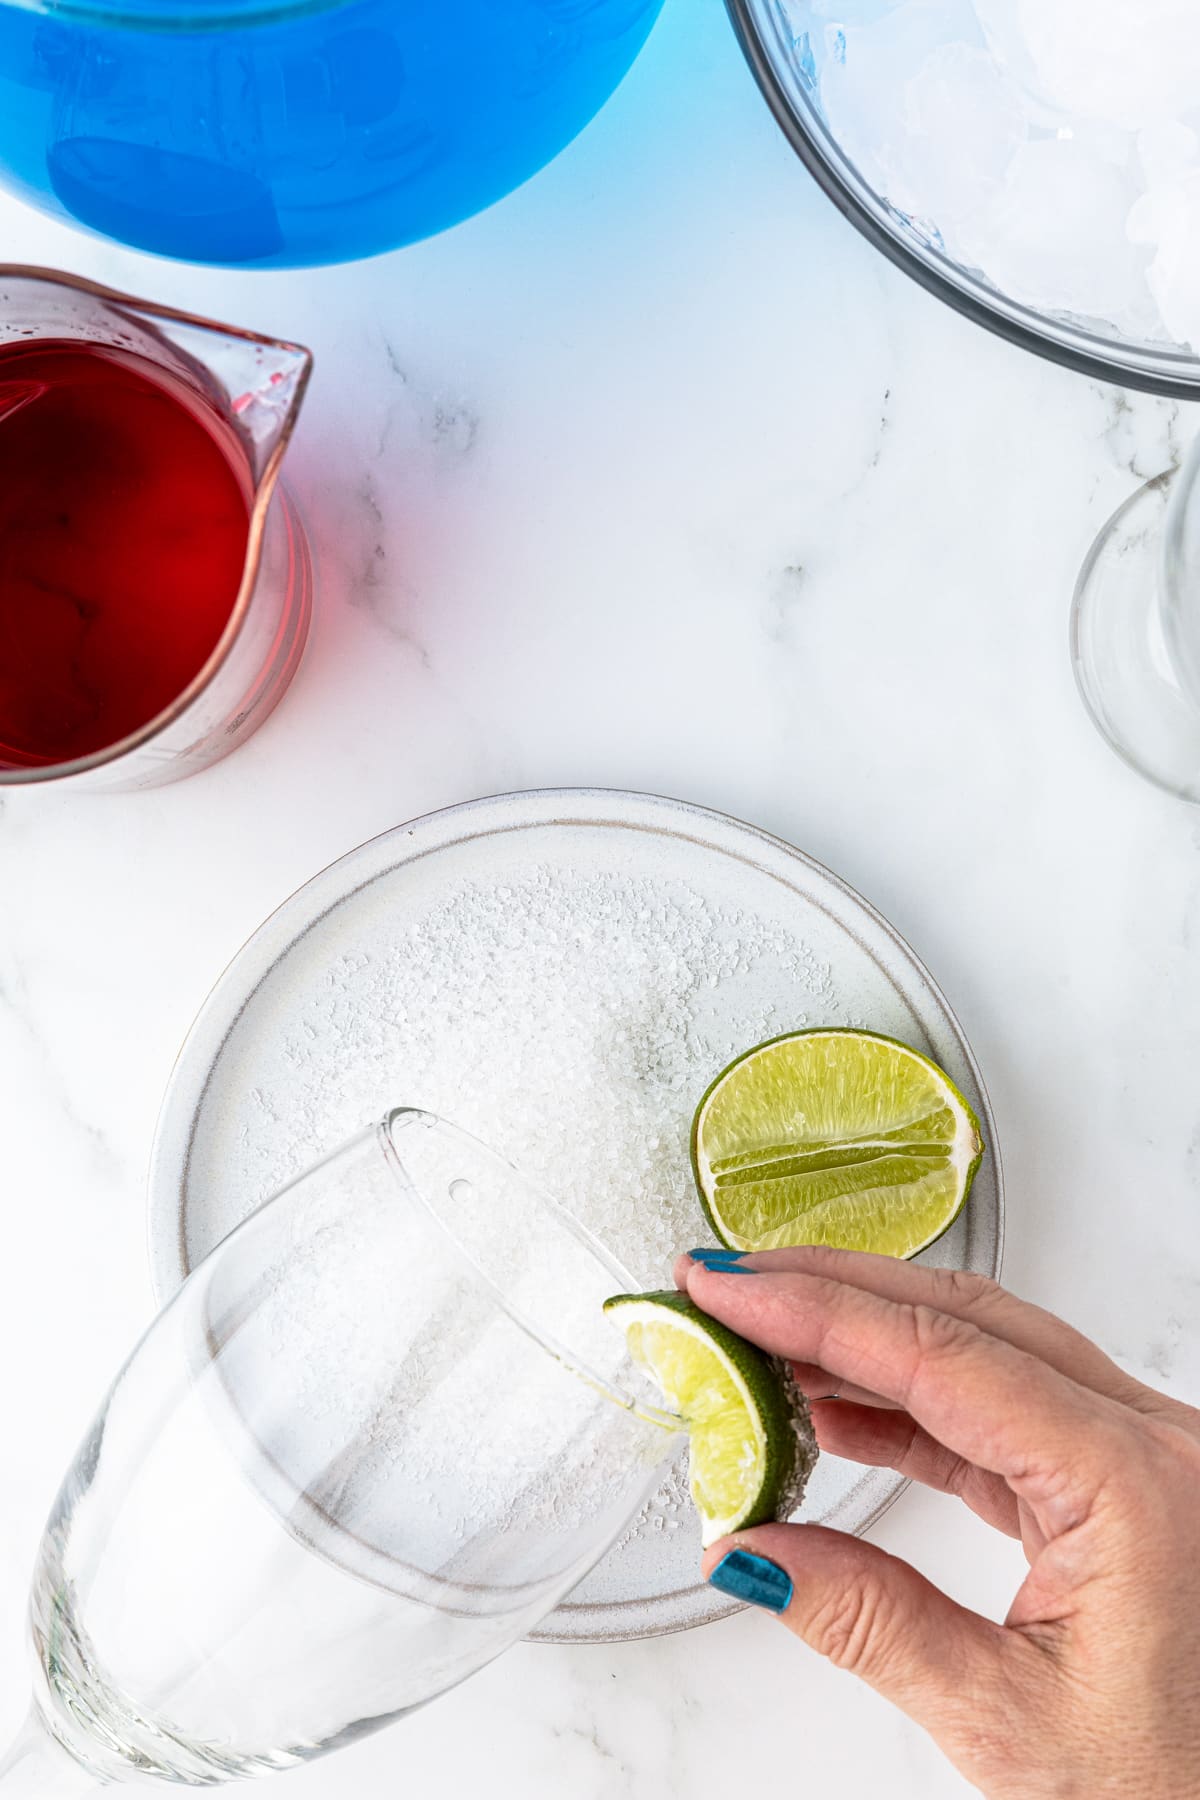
(249, 389)
(378, 1434)
(1135, 630)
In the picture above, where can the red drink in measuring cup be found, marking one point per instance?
(125, 510)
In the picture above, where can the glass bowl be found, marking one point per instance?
(281, 133)
(802, 52)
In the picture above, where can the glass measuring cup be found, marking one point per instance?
(242, 394)
(283, 132)
(378, 1434)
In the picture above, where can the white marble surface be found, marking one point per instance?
(655, 476)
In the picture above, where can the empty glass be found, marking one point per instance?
(1135, 630)
(378, 1434)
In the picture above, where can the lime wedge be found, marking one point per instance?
(834, 1137)
(751, 1442)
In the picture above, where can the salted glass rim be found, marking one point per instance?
(564, 1220)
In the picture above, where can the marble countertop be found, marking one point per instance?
(655, 476)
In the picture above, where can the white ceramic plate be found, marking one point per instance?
(302, 1042)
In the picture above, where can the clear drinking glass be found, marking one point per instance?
(378, 1434)
(1135, 630)
(250, 390)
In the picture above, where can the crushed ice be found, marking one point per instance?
(1052, 145)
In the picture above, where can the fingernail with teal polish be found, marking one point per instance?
(752, 1578)
(715, 1259)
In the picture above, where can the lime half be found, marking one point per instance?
(834, 1137)
(751, 1441)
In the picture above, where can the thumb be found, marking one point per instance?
(873, 1615)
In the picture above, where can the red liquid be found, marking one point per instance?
(123, 526)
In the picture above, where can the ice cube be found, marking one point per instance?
(963, 122)
(865, 71)
(1166, 152)
(1167, 220)
(1129, 62)
(1055, 235)
(849, 12)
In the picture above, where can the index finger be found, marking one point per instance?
(971, 1297)
(1004, 1410)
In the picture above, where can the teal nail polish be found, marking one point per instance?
(752, 1578)
(715, 1259)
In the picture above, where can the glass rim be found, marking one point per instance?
(263, 490)
(562, 1353)
(1071, 346)
(1184, 654)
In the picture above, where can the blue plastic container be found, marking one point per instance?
(271, 134)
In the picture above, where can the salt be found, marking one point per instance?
(573, 1022)
(662, 1511)
(571, 1018)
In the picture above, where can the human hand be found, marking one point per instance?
(1091, 1687)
